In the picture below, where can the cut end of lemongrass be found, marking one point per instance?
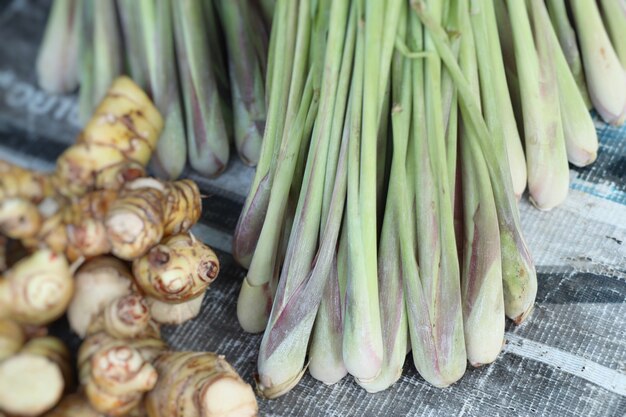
(522, 317)
(253, 307)
(270, 391)
(327, 373)
(385, 379)
(546, 198)
(582, 157)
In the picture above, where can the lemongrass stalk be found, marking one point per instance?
(449, 99)
(215, 44)
(279, 96)
(107, 47)
(581, 139)
(157, 40)
(383, 155)
(481, 277)
(614, 12)
(440, 274)
(86, 102)
(306, 268)
(268, 7)
(339, 125)
(519, 275)
(263, 260)
(325, 353)
(362, 342)
(247, 84)
(57, 59)
(325, 358)
(606, 78)
(548, 171)
(207, 137)
(499, 110)
(569, 44)
(134, 48)
(254, 294)
(390, 272)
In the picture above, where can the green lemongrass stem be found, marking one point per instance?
(481, 277)
(614, 12)
(215, 41)
(246, 79)
(581, 139)
(307, 264)
(451, 20)
(325, 356)
(441, 278)
(325, 351)
(86, 103)
(339, 126)
(392, 10)
(293, 140)
(267, 7)
(217, 49)
(134, 46)
(510, 66)
(57, 59)
(326, 362)
(271, 59)
(390, 285)
(449, 98)
(107, 48)
(362, 343)
(259, 34)
(606, 78)
(569, 44)
(284, 37)
(255, 301)
(498, 108)
(207, 138)
(505, 36)
(383, 155)
(519, 275)
(157, 35)
(430, 346)
(546, 156)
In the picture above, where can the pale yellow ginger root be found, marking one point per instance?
(167, 313)
(16, 181)
(199, 385)
(135, 221)
(127, 316)
(98, 282)
(55, 350)
(148, 210)
(116, 373)
(179, 269)
(37, 289)
(115, 145)
(183, 206)
(33, 380)
(12, 338)
(86, 232)
(74, 405)
(19, 218)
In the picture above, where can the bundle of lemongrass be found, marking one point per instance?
(203, 62)
(383, 215)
